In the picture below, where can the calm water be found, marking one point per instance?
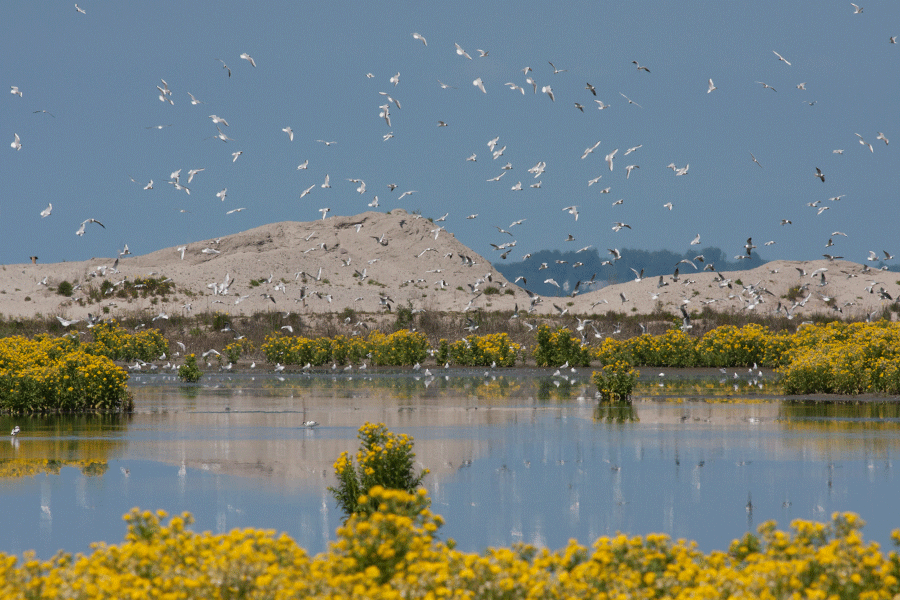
(514, 456)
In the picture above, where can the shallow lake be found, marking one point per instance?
(515, 456)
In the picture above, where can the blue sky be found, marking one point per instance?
(97, 74)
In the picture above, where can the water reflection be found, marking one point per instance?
(515, 455)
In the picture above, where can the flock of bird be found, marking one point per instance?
(541, 80)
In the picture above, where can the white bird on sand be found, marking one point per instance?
(419, 37)
(80, 231)
(461, 52)
(16, 143)
(479, 84)
(46, 212)
(248, 58)
(290, 132)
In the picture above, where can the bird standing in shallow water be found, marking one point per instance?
(15, 431)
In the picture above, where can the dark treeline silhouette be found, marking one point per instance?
(568, 268)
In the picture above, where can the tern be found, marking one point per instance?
(419, 37)
(327, 183)
(696, 241)
(632, 149)
(249, 59)
(395, 79)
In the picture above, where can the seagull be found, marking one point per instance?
(326, 143)
(857, 10)
(756, 161)
(80, 231)
(324, 212)
(224, 66)
(881, 137)
(303, 165)
(591, 89)
(639, 67)
(555, 70)
(221, 195)
(632, 149)
(445, 86)
(14, 89)
(630, 101)
(16, 143)
(307, 190)
(766, 85)
(589, 150)
(629, 169)
(711, 87)
(609, 158)
(248, 58)
(419, 37)
(46, 212)
(217, 120)
(696, 241)
(395, 79)
(820, 175)
(572, 210)
(16, 429)
(861, 141)
(235, 155)
(194, 101)
(81, 10)
(461, 52)
(327, 183)
(235, 210)
(479, 84)
(781, 58)
(290, 133)
(67, 323)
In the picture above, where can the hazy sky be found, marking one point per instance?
(97, 73)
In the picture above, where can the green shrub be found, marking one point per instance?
(64, 288)
(189, 371)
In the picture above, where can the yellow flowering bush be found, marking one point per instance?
(57, 374)
(112, 341)
(236, 349)
(615, 381)
(384, 459)
(402, 347)
(554, 348)
(392, 552)
(480, 351)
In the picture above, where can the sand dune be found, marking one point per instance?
(414, 264)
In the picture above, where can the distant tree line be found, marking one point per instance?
(594, 271)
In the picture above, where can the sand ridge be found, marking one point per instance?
(316, 267)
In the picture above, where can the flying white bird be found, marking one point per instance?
(14, 89)
(696, 241)
(290, 133)
(217, 120)
(16, 143)
(46, 212)
(81, 10)
(781, 58)
(248, 58)
(857, 10)
(461, 52)
(711, 87)
(191, 174)
(235, 155)
(609, 158)
(303, 165)
(549, 91)
(194, 101)
(479, 84)
(327, 183)
(861, 141)
(221, 195)
(80, 231)
(419, 37)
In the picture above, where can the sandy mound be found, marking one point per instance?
(407, 260)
